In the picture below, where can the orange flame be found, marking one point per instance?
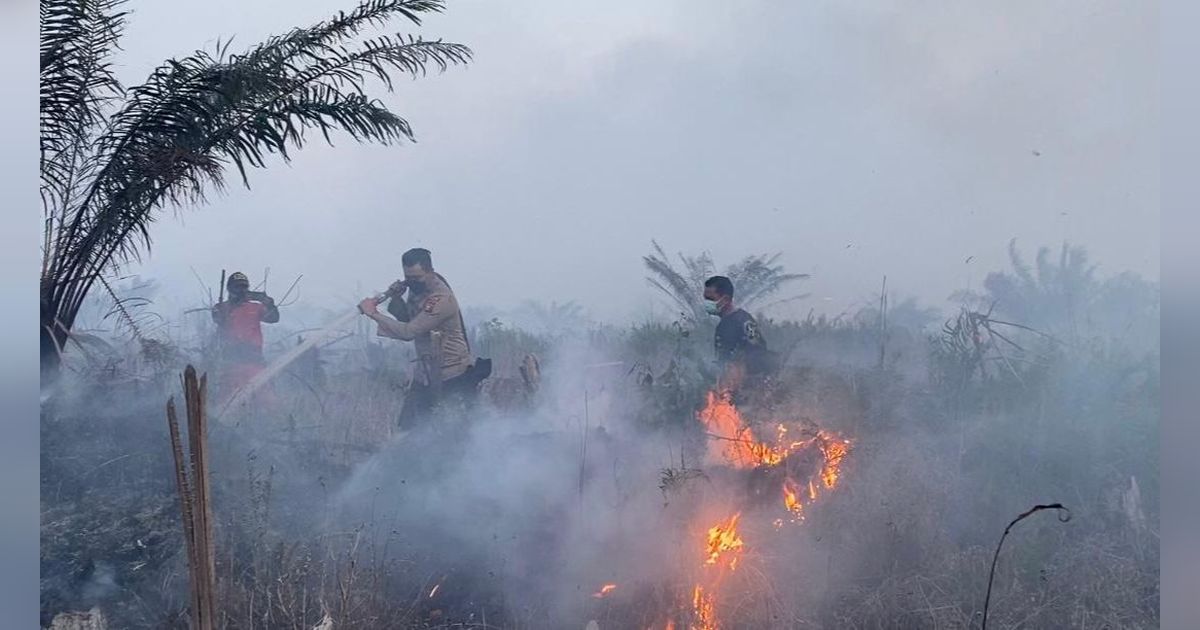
(791, 499)
(723, 548)
(704, 609)
(604, 590)
(734, 443)
(722, 538)
(835, 451)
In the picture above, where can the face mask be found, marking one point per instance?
(711, 307)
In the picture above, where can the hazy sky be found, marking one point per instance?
(857, 137)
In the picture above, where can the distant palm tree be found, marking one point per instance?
(755, 278)
(1050, 295)
(909, 313)
(1064, 296)
(554, 319)
(112, 159)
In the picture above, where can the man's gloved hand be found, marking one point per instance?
(262, 297)
(397, 289)
(369, 306)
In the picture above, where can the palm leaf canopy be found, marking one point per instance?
(755, 278)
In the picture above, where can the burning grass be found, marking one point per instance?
(793, 453)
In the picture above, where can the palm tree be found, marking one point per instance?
(1065, 296)
(554, 319)
(1049, 295)
(112, 159)
(755, 279)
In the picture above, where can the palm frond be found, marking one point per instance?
(310, 42)
(78, 38)
(755, 278)
(669, 281)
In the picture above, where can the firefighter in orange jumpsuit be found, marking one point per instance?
(239, 322)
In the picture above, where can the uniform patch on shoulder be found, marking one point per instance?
(751, 328)
(431, 303)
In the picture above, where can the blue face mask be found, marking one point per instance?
(712, 307)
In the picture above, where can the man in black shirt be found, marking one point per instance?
(741, 350)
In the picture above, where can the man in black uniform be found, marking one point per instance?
(746, 363)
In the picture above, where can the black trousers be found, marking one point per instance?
(457, 394)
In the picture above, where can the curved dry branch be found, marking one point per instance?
(1064, 515)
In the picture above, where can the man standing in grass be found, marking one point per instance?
(745, 361)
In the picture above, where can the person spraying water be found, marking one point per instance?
(430, 317)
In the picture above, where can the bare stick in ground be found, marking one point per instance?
(196, 391)
(185, 500)
(1063, 517)
(883, 306)
(191, 476)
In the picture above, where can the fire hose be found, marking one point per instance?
(247, 390)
